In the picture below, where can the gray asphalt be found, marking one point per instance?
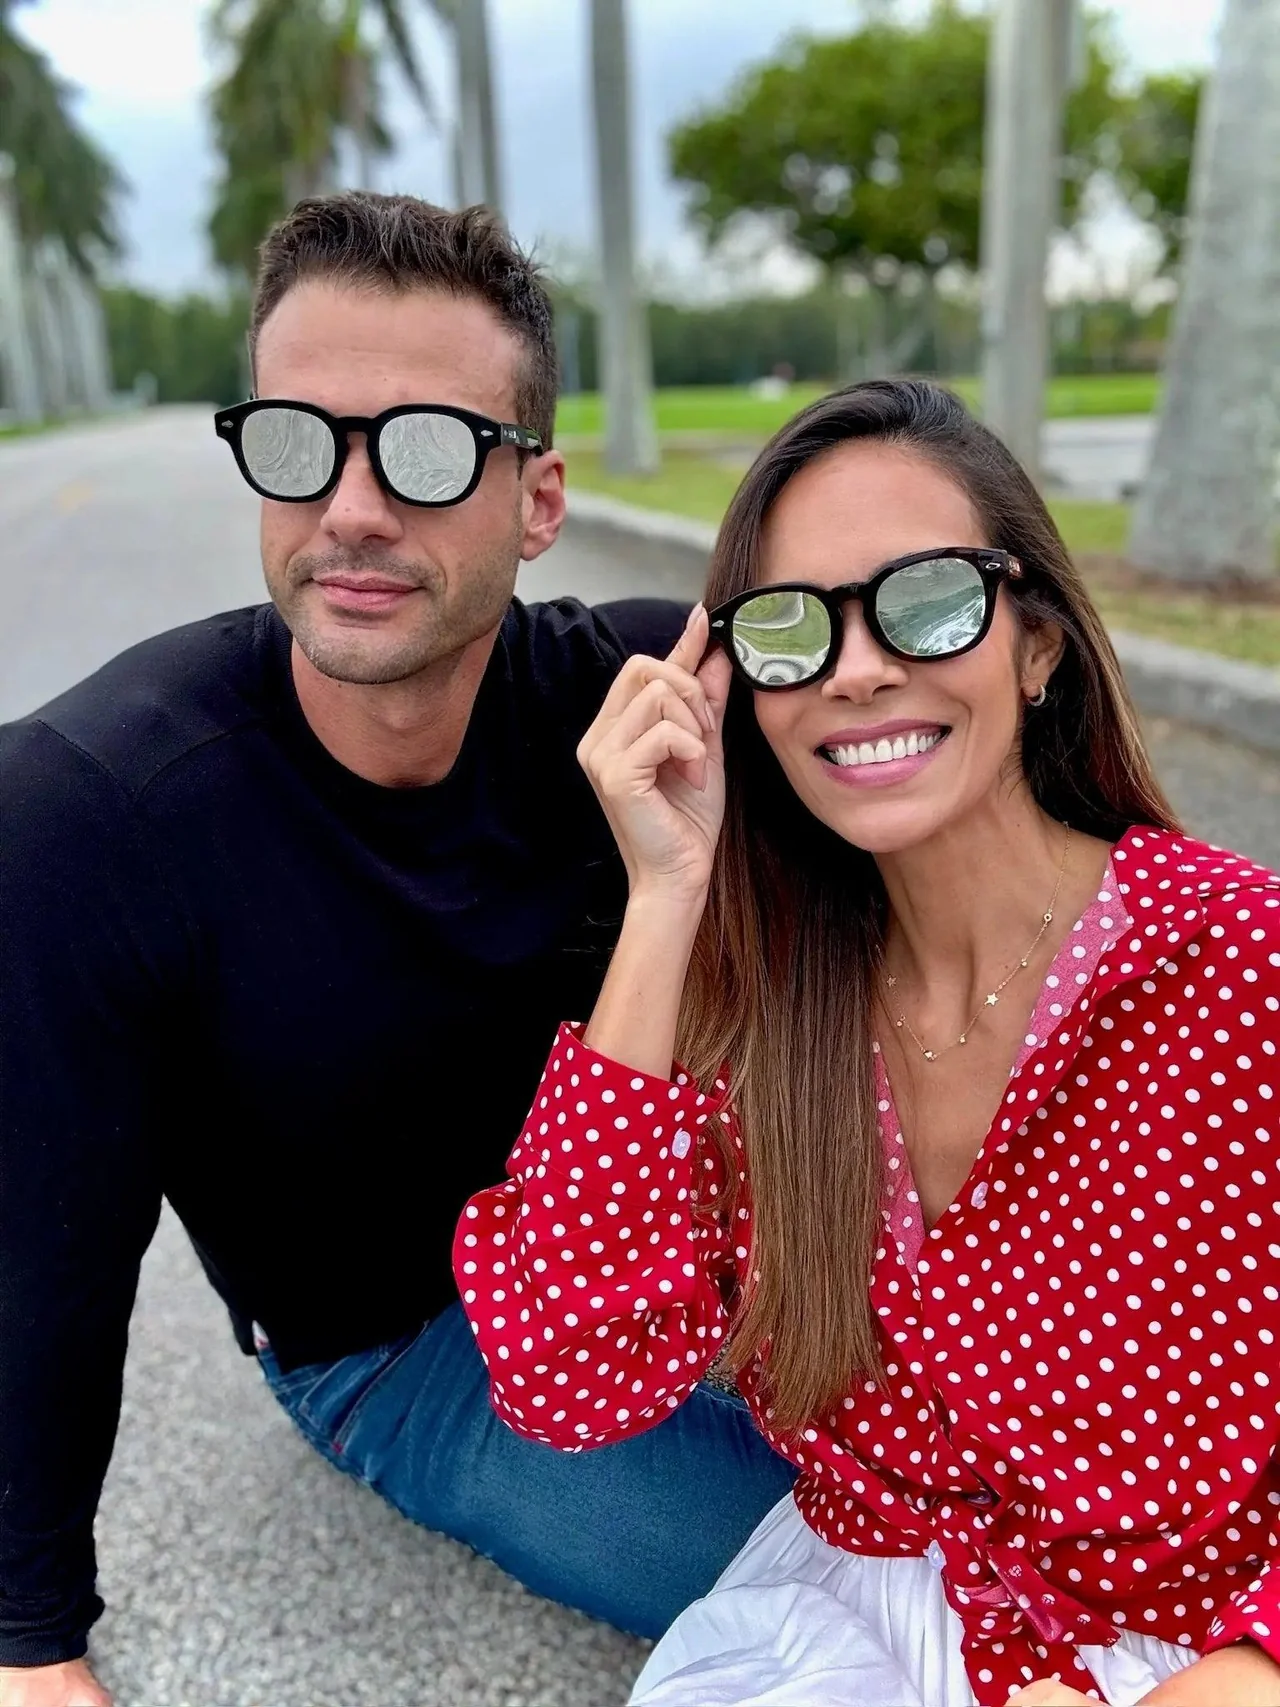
(239, 1570)
(1097, 457)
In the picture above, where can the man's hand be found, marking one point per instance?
(71, 1684)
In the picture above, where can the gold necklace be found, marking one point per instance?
(902, 1023)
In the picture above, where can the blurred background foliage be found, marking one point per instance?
(302, 81)
(65, 186)
(194, 347)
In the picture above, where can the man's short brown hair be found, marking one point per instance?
(398, 243)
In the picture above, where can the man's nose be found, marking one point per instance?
(862, 666)
(358, 508)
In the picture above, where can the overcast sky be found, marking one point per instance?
(143, 67)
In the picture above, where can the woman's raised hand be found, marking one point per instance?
(655, 759)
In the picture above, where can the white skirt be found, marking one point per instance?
(795, 1622)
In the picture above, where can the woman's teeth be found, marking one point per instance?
(882, 752)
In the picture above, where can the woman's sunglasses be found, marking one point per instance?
(421, 453)
(931, 605)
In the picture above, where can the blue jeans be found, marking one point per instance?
(629, 1533)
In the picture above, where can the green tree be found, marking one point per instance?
(65, 186)
(302, 80)
(194, 348)
(866, 150)
(1154, 143)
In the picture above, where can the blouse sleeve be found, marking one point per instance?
(1251, 1615)
(593, 1290)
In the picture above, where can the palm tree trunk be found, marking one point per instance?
(359, 115)
(19, 374)
(90, 333)
(47, 316)
(631, 444)
(479, 166)
(1207, 509)
(306, 178)
(1027, 76)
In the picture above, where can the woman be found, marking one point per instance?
(973, 1167)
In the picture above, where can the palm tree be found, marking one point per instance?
(1207, 509)
(63, 186)
(303, 79)
(57, 225)
(477, 166)
(631, 445)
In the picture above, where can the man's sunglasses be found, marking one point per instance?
(421, 453)
(931, 605)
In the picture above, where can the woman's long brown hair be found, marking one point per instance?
(786, 962)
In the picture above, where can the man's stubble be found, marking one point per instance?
(447, 619)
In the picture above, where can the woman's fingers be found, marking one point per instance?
(650, 700)
(631, 770)
(632, 680)
(687, 652)
(715, 677)
(678, 668)
(654, 703)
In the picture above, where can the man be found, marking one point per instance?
(292, 902)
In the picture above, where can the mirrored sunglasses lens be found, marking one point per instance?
(933, 609)
(782, 639)
(288, 452)
(428, 458)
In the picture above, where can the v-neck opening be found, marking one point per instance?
(1094, 934)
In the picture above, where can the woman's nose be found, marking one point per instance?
(862, 666)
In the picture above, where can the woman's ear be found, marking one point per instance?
(1042, 651)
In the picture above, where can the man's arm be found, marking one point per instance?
(87, 942)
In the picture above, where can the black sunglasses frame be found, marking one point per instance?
(487, 434)
(993, 566)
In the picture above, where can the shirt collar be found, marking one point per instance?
(1165, 881)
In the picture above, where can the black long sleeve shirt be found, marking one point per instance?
(236, 975)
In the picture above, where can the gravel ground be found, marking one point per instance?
(239, 1570)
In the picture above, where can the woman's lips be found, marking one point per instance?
(887, 759)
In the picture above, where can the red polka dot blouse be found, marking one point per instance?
(1083, 1399)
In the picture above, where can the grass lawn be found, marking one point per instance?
(691, 484)
(12, 430)
(733, 410)
(28, 429)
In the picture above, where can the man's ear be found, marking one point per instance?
(542, 503)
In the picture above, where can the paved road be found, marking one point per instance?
(1104, 457)
(240, 1571)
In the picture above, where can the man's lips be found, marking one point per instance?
(363, 592)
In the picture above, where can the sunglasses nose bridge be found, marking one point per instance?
(860, 663)
(360, 503)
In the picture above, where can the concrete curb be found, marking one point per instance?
(669, 555)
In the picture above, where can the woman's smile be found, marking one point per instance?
(880, 754)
